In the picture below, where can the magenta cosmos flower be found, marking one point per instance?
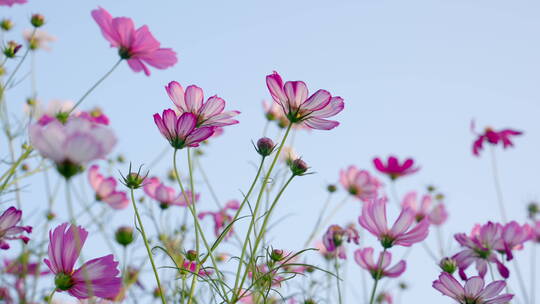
(309, 111)
(11, 2)
(474, 291)
(165, 195)
(209, 114)
(379, 269)
(335, 237)
(437, 215)
(9, 229)
(480, 249)
(359, 183)
(73, 144)
(403, 233)
(137, 46)
(221, 218)
(393, 168)
(105, 189)
(100, 274)
(513, 236)
(181, 130)
(494, 138)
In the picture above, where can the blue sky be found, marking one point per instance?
(413, 74)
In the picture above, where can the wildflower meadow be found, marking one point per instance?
(269, 152)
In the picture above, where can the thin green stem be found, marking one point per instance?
(11, 171)
(319, 220)
(148, 250)
(51, 295)
(95, 86)
(336, 266)
(377, 278)
(19, 64)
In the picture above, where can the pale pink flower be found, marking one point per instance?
(73, 144)
(272, 111)
(181, 130)
(209, 114)
(95, 115)
(165, 195)
(221, 218)
(437, 215)
(310, 111)
(105, 189)
(480, 250)
(394, 169)
(12, 2)
(20, 267)
(137, 46)
(381, 268)
(513, 236)
(48, 112)
(359, 183)
(494, 138)
(535, 232)
(9, 229)
(335, 237)
(402, 233)
(474, 291)
(101, 273)
(40, 40)
(384, 298)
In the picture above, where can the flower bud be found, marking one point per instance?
(191, 255)
(50, 216)
(431, 188)
(448, 265)
(171, 175)
(533, 209)
(299, 167)
(310, 301)
(331, 188)
(276, 255)
(11, 49)
(265, 146)
(157, 292)
(124, 235)
(37, 20)
(439, 196)
(402, 285)
(120, 158)
(31, 101)
(25, 167)
(134, 180)
(6, 25)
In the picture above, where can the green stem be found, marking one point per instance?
(11, 171)
(257, 206)
(377, 278)
(336, 265)
(11, 77)
(149, 251)
(51, 295)
(95, 86)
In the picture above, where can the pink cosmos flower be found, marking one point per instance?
(393, 168)
(364, 258)
(105, 189)
(359, 183)
(208, 114)
(494, 138)
(100, 274)
(513, 236)
(535, 232)
(12, 2)
(309, 111)
(39, 40)
(221, 218)
(9, 229)
(95, 115)
(181, 131)
(335, 237)
(73, 144)
(473, 292)
(384, 298)
(5, 296)
(19, 268)
(402, 233)
(137, 46)
(191, 266)
(480, 249)
(165, 195)
(436, 215)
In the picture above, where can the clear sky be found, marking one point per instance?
(413, 74)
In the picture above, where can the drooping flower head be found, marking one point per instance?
(105, 189)
(402, 233)
(359, 183)
(310, 111)
(394, 169)
(12, 2)
(381, 268)
(513, 236)
(97, 277)
(181, 130)
(437, 215)
(73, 144)
(9, 229)
(222, 218)
(335, 237)
(493, 137)
(209, 114)
(137, 46)
(480, 249)
(474, 291)
(165, 195)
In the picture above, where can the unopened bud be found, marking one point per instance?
(331, 188)
(124, 235)
(265, 146)
(431, 188)
(50, 216)
(37, 20)
(533, 209)
(134, 180)
(299, 167)
(6, 25)
(191, 255)
(276, 255)
(11, 49)
(448, 265)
